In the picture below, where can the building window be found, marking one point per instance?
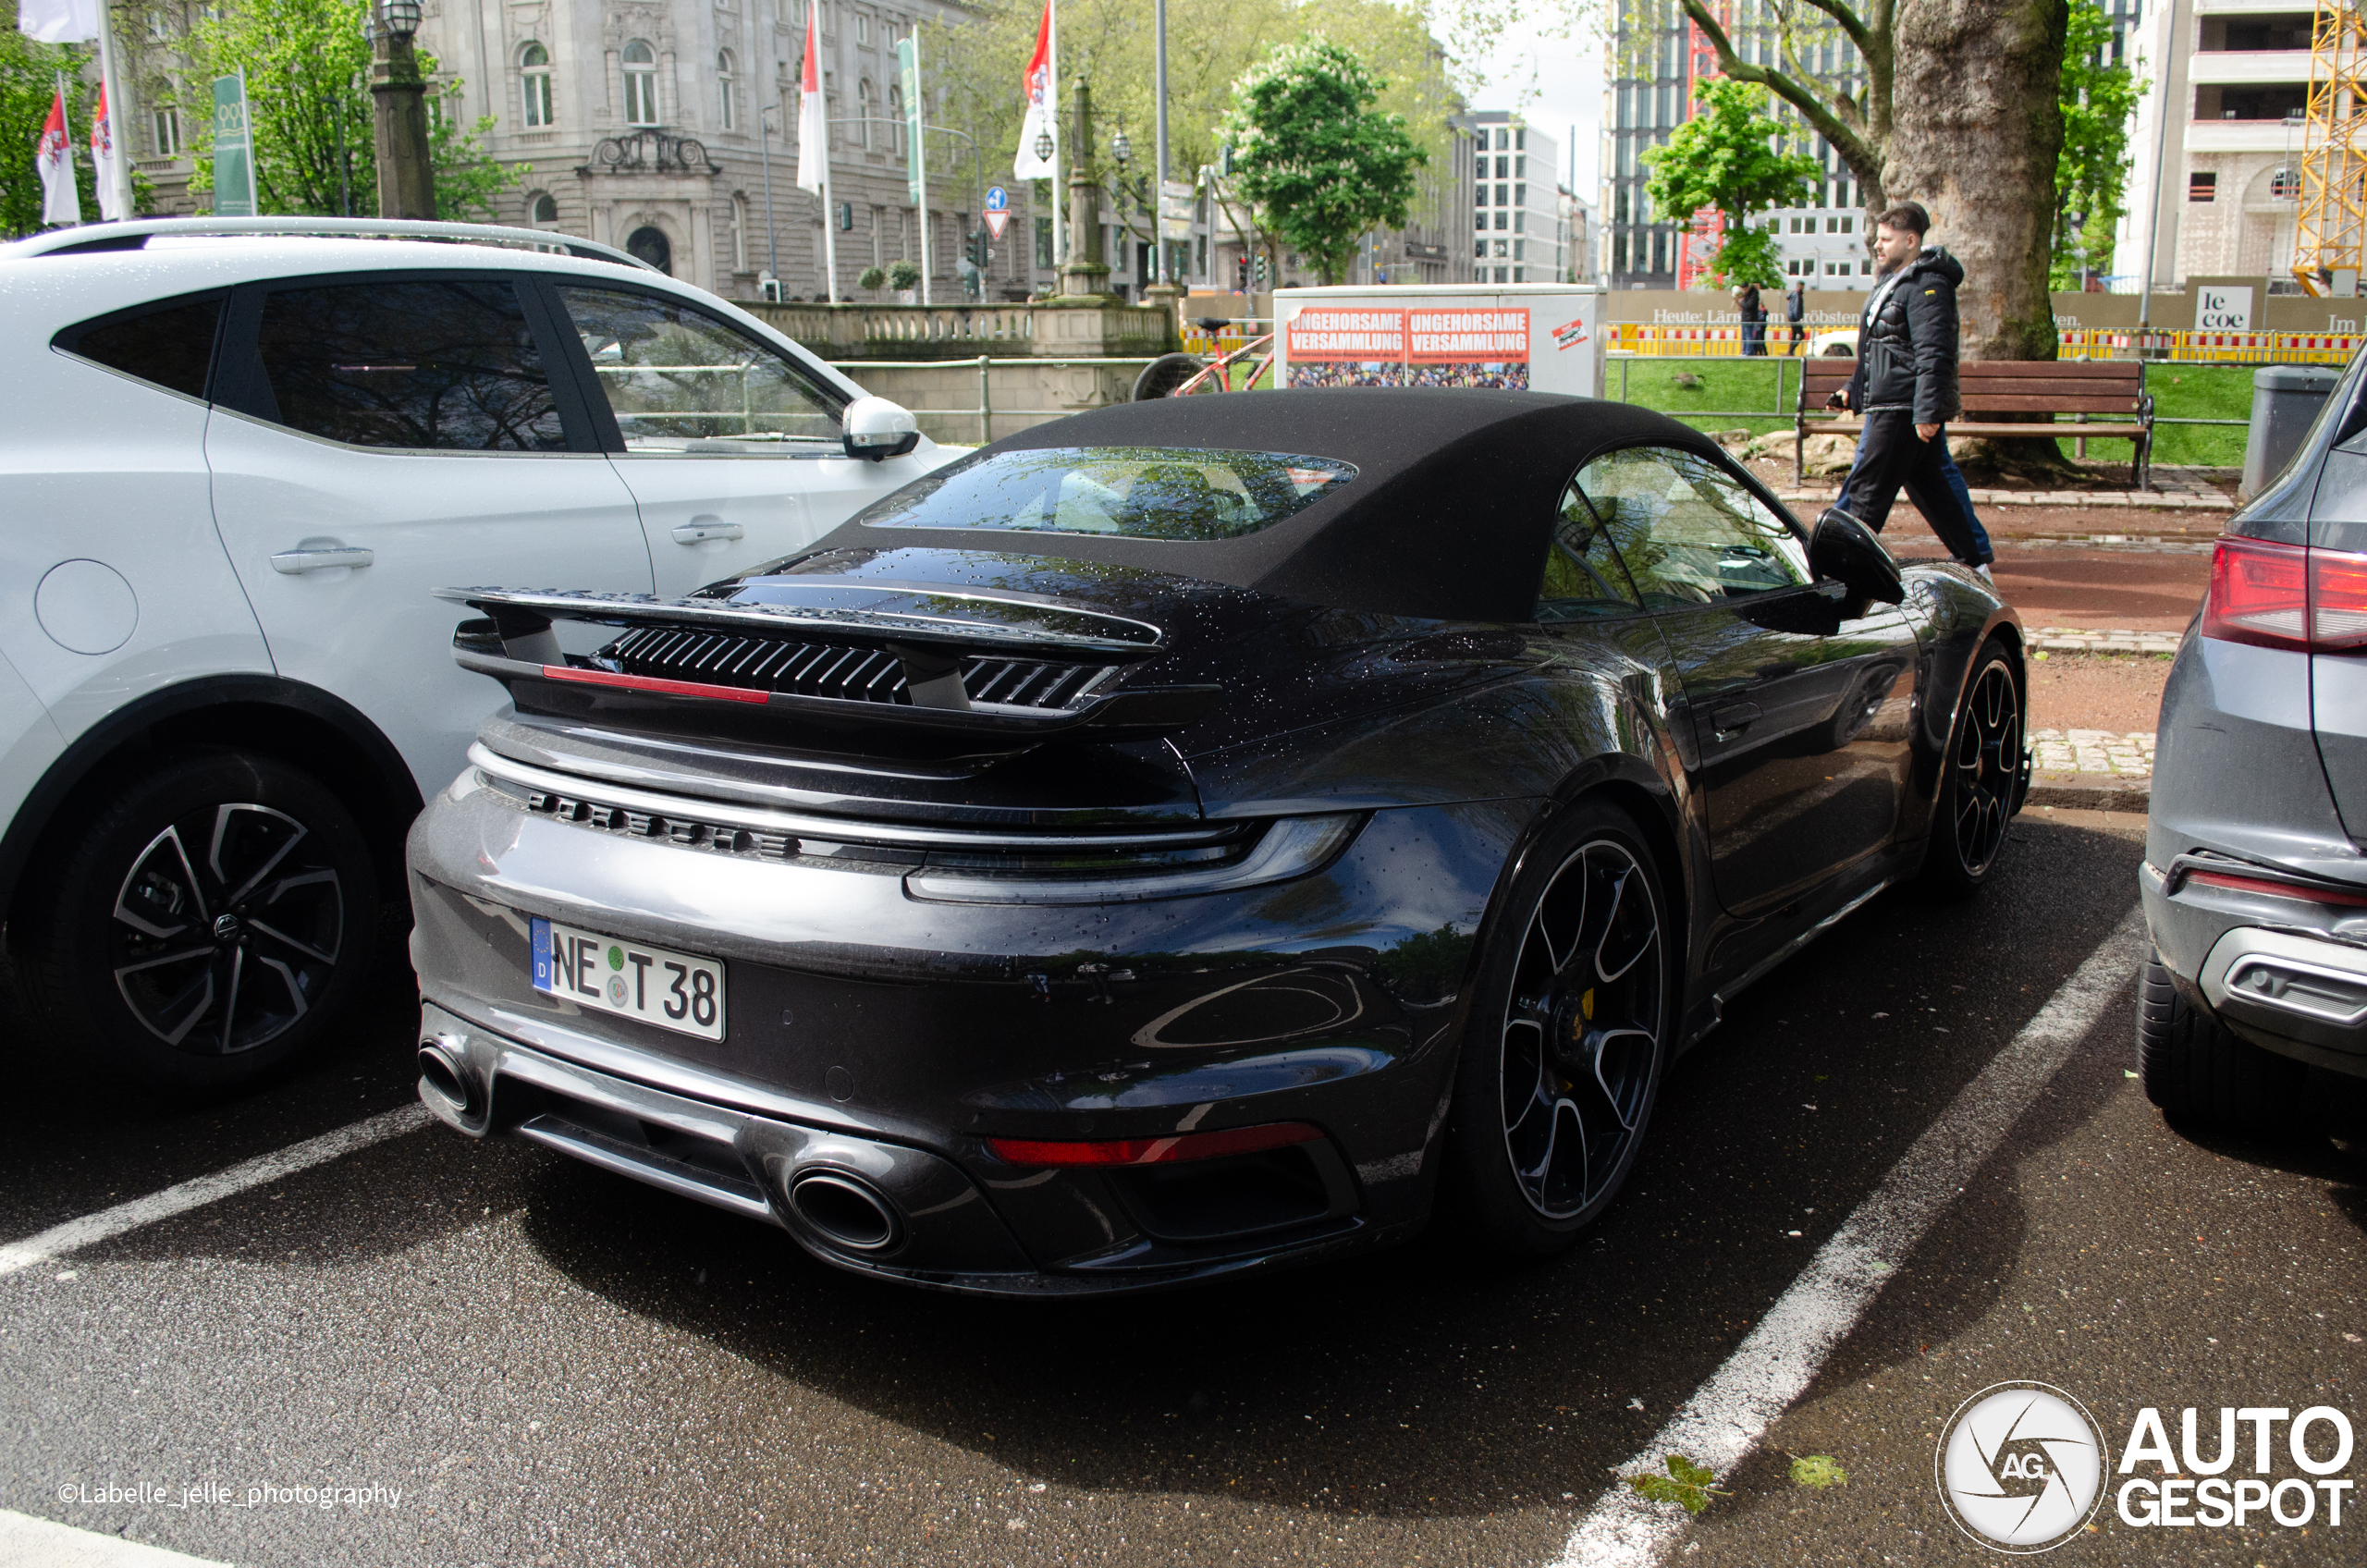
(641, 84)
(1520, 275)
(2285, 185)
(534, 75)
(1478, 195)
(739, 232)
(1520, 140)
(2202, 187)
(168, 121)
(1503, 140)
(862, 101)
(1520, 195)
(1849, 224)
(1866, 269)
(542, 210)
(1481, 219)
(1519, 248)
(1502, 217)
(863, 29)
(896, 112)
(726, 86)
(1043, 242)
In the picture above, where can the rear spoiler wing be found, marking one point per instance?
(933, 633)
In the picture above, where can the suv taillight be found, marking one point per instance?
(2287, 596)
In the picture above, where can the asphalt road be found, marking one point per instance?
(555, 1365)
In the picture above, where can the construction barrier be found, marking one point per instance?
(1649, 340)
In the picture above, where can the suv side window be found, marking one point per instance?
(1583, 577)
(1687, 533)
(170, 345)
(674, 375)
(449, 364)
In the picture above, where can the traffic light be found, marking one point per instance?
(1261, 269)
(975, 248)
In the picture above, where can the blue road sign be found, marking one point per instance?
(997, 199)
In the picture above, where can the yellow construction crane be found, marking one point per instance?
(2331, 234)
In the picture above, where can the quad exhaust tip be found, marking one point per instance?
(850, 1212)
(441, 1072)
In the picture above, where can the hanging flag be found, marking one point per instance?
(59, 21)
(1040, 121)
(103, 160)
(61, 200)
(812, 116)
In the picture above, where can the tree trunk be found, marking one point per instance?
(1976, 132)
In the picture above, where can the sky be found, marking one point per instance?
(1554, 83)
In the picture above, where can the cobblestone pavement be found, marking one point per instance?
(2073, 639)
(2095, 751)
(2127, 544)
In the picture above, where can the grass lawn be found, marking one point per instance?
(2180, 392)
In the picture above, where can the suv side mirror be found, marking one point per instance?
(878, 429)
(1844, 550)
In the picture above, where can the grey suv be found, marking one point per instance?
(2254, 881)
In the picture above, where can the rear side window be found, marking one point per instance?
(170, 345)
(451, 364)
(1135, 491)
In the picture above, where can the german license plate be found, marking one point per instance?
(634, 980)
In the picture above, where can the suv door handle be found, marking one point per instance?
(700, 529)
(294, 563)
(1732, 716)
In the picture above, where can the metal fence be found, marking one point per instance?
(985, 413)
(1650, 340)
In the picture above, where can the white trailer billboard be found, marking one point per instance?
(1520, 336)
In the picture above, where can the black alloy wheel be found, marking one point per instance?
(1977, 777)
(209, 923)
(1561, 1070)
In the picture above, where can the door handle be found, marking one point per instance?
(295, 563)
(1732, 716)
(700, 529)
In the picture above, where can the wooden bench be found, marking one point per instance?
(2113, 389)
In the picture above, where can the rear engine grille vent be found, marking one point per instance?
(834, 669)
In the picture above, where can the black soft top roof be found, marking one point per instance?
(1454, 496)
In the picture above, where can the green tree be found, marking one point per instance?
(1730, 156)
(308, 70)
(1313, 154)
(2092, 181)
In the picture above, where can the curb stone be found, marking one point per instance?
(2089, 792)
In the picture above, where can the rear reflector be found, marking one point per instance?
(2287, 596)
(2278, 889)
(1156, 1151)
(650, 683)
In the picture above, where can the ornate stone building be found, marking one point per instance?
(638, 121)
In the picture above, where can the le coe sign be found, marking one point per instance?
(2223, 310)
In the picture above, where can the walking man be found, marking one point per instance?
(1905, 388)
(1795, 307)
(1754, 319)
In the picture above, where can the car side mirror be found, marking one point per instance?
(1844, 550)
(878, 429)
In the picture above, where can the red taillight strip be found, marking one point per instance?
(651, 683)
(2294, 596)
(2278, 889)
(1155, 1151)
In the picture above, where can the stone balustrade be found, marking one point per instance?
(966, 332)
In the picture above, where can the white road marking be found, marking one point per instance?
(180, 1199)
(27, 1542)
(1727, 1415)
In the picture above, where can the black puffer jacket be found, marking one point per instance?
(1907, 348)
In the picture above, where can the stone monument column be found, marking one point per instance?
(1084, 275)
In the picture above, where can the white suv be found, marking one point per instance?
(233, 470)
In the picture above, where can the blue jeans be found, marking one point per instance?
(1927, 472)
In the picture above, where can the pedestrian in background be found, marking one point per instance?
(1795, 310)
(1754, 319)
(1906, 387)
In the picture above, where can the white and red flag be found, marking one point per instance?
(59, 21)
(812, 114)
(61, 201)
(1041, 121)
(103, 155)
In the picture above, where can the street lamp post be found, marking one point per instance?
(772, 233)
(406, 165)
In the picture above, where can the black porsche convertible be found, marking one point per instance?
(1195, 836)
